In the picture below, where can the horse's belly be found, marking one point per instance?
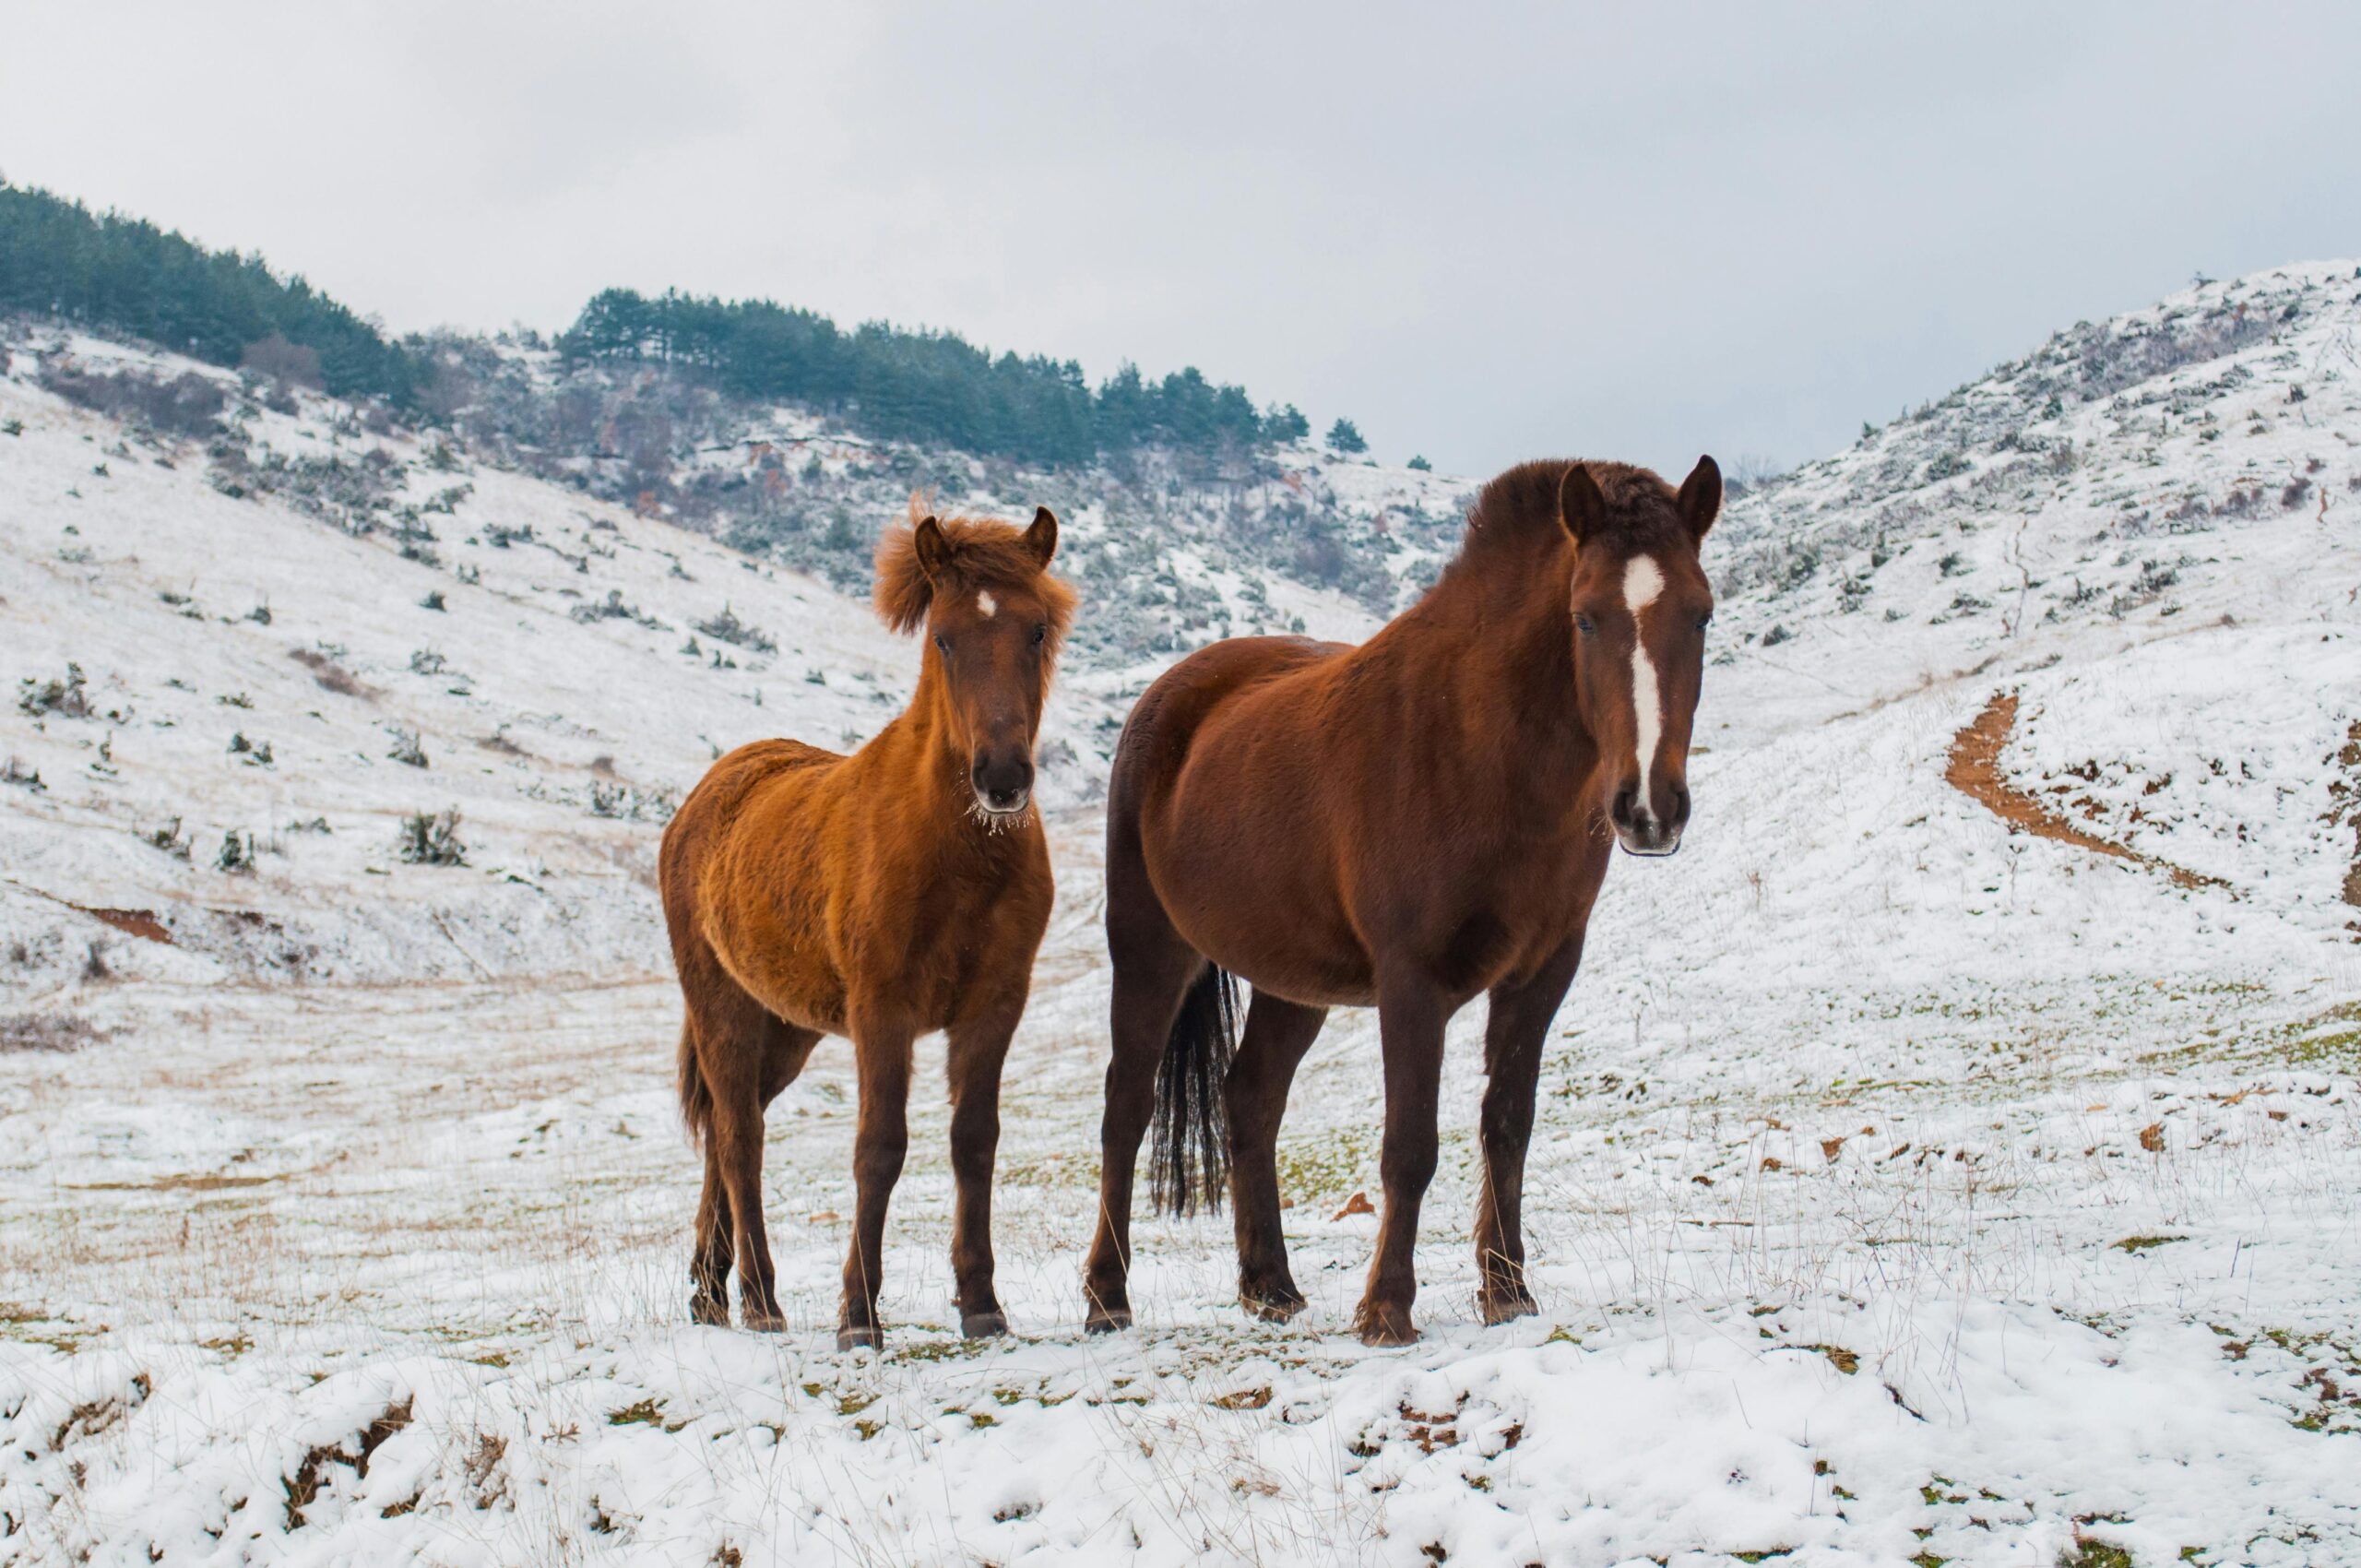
(1272, 919)
(784, 968)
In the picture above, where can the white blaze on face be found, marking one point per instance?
(988, 604)
(1642, 580)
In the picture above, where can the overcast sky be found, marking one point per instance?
(1536, 230)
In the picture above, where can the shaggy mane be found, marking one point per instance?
(984, 555)
(1518, 510)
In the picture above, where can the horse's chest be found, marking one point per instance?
(1508, 918)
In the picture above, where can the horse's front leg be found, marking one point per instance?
(882, 1051)
(1410, 1018)
(1513, 1036)
(977, 1050)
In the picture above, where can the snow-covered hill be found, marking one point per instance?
(1954, 1155)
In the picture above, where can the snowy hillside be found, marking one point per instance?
(1954, 1155)
(1176, 546)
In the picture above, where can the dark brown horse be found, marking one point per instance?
(878, 896)
(1408, 823)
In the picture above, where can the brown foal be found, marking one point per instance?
(880, 896)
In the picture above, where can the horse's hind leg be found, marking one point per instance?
(1152, 970)
(1514, 1035)
(1277, 1034)
(745, 1056)
(709, 1264)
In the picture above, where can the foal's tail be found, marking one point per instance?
(696, 1098)
(1189, 1163)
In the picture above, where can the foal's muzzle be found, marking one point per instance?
(1003, 781)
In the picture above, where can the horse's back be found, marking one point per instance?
(1168, 714)
(727, 789)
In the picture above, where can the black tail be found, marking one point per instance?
(697, 1097)
(1188, 1106)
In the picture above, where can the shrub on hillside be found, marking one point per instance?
(68, 697)
(431, 838)
(185, 405)
(726, 627)
(290, 364)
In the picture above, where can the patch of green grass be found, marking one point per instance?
(1329, 1164)
(2137, 1245)
(2331, 1040)
(2328, 1041)
(2089, 1553)
(936, 1350)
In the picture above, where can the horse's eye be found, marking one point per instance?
(942, 645)
(1584, 625)
(1041, 634)
(1706, 620)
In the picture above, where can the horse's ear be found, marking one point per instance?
(932, 550)
(1041, 539)
(1581, 505)
(1701, 498)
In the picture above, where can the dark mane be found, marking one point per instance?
(1516, 514)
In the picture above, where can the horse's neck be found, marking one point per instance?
(919, 749)
(1506, 641)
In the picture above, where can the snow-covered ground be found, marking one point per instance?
(1908, 1188)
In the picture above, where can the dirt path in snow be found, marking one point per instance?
(1974, 771)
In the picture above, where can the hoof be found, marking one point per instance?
(1385, 1326)
(871, 1337)
(983, 1325)
(1273, 1306)
(707, 1311)
(1506, 1306)
(1107, 1320)
(756, 1321)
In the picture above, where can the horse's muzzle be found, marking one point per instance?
(1003, 782)
(1641, 831)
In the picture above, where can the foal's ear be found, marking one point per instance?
(932, 550)
(1701, 498)
(1041, 539)
(1580, 505)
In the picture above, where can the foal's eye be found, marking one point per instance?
(1706, 620)
(1041, 634)
(1584, 625)
(942, 645)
